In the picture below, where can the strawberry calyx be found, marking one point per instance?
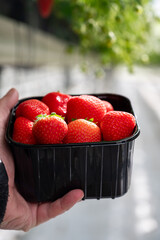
(41, 116)
(89, 120)
(56, 115)
(73, 119)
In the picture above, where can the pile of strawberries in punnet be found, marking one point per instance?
(61, 118)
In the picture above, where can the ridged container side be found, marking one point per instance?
(100, 171)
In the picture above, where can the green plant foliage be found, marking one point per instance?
(117, 31)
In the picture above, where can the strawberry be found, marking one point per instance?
(81, 130)
(31, 108)
(86, 107)
(45, 7)
(108, 105)
(50, 129)
(22, 131)
(117, 125)
(57, 102)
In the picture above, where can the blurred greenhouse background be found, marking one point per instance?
(88, 46)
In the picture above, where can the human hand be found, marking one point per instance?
(20, 214)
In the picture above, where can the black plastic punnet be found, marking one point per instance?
(102, 170)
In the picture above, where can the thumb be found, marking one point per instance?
(7, 102)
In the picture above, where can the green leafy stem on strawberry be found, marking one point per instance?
(45, 115)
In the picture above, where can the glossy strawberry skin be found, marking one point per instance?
(108, 105)
(22, 131)
(81, 130)
(31, 108)
(57, 102)
(117, 125)
(85, 107)
(50, 130)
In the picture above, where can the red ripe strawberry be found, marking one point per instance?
(86, 107)
(45, 7)
(81, 130)
(57, 102)
(50, 129)
(108, 105)
(31, 108)
(117, 125)
(22, 131)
